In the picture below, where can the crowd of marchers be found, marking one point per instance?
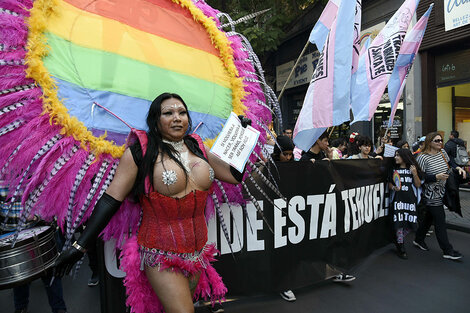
(417, 181)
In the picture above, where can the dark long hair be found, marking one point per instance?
(155, 143)
(409, 160)
(353, 147)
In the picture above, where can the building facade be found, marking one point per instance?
(445, 68)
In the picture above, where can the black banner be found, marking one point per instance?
(334, 215)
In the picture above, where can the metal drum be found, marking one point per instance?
(34, 252)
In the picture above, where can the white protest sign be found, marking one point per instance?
(235, 143)
(389, 151)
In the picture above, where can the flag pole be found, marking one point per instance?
(331, 131)
(292, 71)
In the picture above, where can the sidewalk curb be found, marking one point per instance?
(459, 228)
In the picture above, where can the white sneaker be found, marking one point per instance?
(288, 295)
(343, 278)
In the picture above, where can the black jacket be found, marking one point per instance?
(451, 149)
(451, 197)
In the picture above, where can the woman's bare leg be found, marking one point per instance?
(172, 288)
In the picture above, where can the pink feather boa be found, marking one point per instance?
(140, 295)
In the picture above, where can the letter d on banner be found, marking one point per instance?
(110, 259)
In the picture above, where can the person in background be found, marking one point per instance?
(21, 293)
(270, 139)
(404, 183)
(288, 132)
(419, 146)
(433, 161)
(352, 147)
(339, 145)
(451, 146)
(364, 144)
(285, 153)
(54, 290)
(382, 141)
(319, 151)
(403, 144)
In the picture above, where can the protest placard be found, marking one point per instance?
(235, 143)
(389, 151)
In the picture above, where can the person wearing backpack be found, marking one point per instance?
(455, 148)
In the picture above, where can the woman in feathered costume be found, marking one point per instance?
(59, 61)
(171, 175)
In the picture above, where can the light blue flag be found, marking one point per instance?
(327, 102)
(405, 59)
(322, 28)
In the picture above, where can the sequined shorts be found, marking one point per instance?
(165, 260)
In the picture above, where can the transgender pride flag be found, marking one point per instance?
(328, 96)
(404, 62)
(322, 28)
(377, 63)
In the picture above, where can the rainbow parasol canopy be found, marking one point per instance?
(65, 64)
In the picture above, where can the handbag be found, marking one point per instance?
(451, 197)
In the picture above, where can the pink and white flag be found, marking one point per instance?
(322, 27)
(327, 102)
(405, 59)
(378, 61)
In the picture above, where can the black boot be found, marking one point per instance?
(401, 252)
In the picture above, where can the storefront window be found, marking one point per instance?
(453, 110)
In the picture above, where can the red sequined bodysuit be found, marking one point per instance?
(173, 224)
(172, 237)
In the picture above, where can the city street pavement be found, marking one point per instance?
(425, 283)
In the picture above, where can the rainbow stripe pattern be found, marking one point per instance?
(122, 54)
(396, 179)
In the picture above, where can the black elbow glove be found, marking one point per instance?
(104, 210)
(236, 174)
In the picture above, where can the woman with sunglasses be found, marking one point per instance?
(433, 161)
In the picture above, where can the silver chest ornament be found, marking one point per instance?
(169, 177)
